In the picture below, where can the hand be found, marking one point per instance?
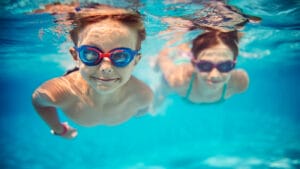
(68, 133)
(180, 76)
(71, 132)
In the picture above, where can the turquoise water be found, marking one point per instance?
(257, 129)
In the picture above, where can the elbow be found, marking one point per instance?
(39, 100)
(34, 99)
(36, 103)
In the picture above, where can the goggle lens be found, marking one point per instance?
(223, 67)
(88, 55)
(92, 56)
(121, 57)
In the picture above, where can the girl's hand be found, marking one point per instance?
(180, 75)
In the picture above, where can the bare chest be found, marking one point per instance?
(198, 95)
(98, 113)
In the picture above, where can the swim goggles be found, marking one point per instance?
(92, 56)
(207, 66)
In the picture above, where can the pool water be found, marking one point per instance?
(257, 129)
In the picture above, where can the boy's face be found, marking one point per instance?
(107, 35)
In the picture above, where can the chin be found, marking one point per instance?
(105, 89)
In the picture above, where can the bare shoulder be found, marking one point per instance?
(239, 80)
(53, 92)
(142, 92)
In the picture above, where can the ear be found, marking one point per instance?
(137, 59)
(73, 53)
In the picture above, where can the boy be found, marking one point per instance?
(107, 42)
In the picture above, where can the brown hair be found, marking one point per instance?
(213, 38)
(97, 13)
(78, 16)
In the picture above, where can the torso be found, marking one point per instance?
(194, 92)
(89, 109)
(88, 114)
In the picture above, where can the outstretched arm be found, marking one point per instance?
(45, 101)
(175, 74)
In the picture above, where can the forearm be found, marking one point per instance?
(50, 116)
(165, 63)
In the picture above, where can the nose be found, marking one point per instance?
(106, 66)
(214, 74)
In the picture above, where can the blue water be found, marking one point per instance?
(257, 129)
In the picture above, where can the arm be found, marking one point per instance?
(45, 99)
(176, 75)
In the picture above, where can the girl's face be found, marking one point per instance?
(107, 35)
(215, 77)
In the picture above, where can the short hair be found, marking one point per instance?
(96, 13)
(213, 38)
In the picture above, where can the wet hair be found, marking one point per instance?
(78, 16)
(94, 13)
(214, 38)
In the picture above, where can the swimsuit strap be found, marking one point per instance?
(190, 86)
(223, 92)
(71, 70)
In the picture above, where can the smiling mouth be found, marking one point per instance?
(105, 79)
(213, 82)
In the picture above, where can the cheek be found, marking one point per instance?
(202, 75)
(86, 71)
(226, 76)
(84, 74)
(126, 72)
